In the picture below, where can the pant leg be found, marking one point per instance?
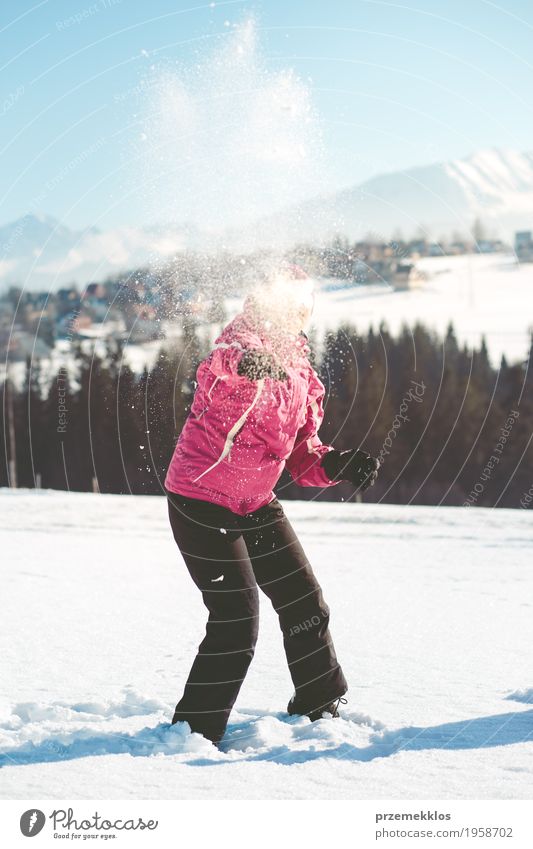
(284, 574)
(211, 547)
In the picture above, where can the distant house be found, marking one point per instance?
(404, 275)
(68, 295)
(418, 247)
(95, 290)
(72, 325)
(143, 330)
(523, 246)
(489, 246)
(456, 248)
(67, 300)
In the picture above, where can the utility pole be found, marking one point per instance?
(12, 463)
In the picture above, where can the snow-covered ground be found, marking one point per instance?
(486, 294)
(431, 615)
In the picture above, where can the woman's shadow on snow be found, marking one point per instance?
(480, 733)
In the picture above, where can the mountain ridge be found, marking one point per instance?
(493, 184)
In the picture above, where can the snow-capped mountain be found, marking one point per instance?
(38, 252)
(493, 185)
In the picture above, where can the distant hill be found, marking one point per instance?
(493, 185)
(38, 252)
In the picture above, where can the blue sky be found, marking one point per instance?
(395, 85)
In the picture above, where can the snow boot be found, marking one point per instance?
(293, 709)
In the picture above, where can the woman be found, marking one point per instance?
(257, 408)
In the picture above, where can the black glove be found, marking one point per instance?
(256, 365)
(355, 466)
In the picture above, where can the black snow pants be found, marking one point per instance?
(228, 557)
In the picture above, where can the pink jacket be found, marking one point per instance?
(241, 433)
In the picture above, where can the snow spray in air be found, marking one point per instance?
(228, 141)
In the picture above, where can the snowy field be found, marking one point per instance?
(481, 294)
(431, 615)
(488, 295)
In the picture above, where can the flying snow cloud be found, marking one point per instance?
(230, 139)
